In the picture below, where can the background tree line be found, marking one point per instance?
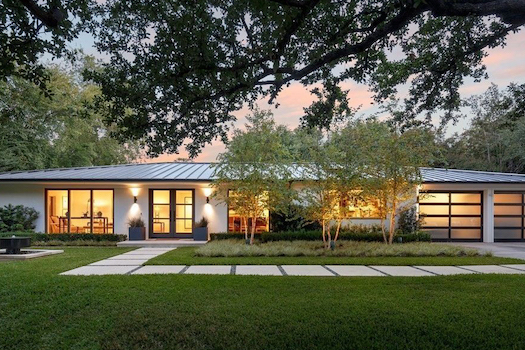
(62, 129)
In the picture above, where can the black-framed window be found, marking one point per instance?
(452, 215)
(79, 210)
(509, 213)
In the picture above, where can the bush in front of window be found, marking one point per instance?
(353, 233)
(67, 237)
(17, 218)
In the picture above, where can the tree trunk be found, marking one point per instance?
(245, 221)
(254, 222)
(329, 236)
(392, 224)
(324, 232)
(339, 222)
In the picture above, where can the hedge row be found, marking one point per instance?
(317, 235)
(67, 237)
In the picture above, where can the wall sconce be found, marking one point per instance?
(134, 199)
(207, 200)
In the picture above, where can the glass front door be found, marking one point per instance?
(171, 213)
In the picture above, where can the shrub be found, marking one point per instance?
(136, 222)
(351, 233)
(409, 222)
(17, 218)
(292, 220)
(202, 222)
(67, 237)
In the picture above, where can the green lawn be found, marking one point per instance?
(186, 256)
(42, 310)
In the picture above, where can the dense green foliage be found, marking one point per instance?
(357, 233)
(66, 237)
(201, 60)
(495, 138)
(43, 310)
(38, 132)
(17, 218)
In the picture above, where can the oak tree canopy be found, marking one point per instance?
(182, 67)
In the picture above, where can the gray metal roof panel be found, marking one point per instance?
(175, 171)
(179, 171)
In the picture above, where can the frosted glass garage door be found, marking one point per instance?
(452, 215)
(509, 216)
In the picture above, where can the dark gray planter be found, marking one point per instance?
(137, 233)
(200, 233)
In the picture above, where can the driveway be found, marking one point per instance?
(506, 250)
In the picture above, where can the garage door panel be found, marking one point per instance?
(507, 222)
(508, 211)
(465, 210)
(433, 209)
(437, 233)
(465, 197)
(501, 233)
(436, 221)
(465, 221)
(507, 198)
(465, 233)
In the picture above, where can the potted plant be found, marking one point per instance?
(137, 229)
(200, 231)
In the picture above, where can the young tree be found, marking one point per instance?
(392, 169)
(254, 172)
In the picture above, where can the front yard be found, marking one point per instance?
(42, 310)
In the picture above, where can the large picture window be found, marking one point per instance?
(237, 223)
(363, 208)
(452, 215)
(79, 211)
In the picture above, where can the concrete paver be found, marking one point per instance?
(261, 270)
(407, 271)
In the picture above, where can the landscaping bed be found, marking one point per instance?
(188, 256)
(236, 248)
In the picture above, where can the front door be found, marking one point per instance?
(171, 213)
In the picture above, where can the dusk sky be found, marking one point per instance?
(504, 65)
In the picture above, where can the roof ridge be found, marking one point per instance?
(97, 167)
(474, 171)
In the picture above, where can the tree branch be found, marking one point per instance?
(51, 18)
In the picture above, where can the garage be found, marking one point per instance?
(452, 215)
(508, 216)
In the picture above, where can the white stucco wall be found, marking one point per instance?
(33, 195)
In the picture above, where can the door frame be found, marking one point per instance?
(173, 208)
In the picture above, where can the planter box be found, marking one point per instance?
(137, 233)
(200, 233)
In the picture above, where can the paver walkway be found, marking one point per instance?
(131, 263)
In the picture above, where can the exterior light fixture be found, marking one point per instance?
(134, 199)
(207, 200)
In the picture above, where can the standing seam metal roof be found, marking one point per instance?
(179, 171)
